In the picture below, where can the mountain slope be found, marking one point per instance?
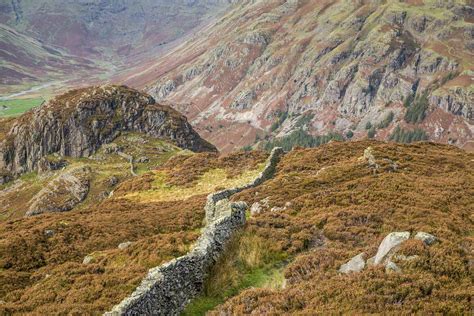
(88, 259)
(323, 207)
(25, 59)
(116, 35)
(326, 66)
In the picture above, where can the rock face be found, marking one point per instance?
(390, 242)
(77, 123)
(62, 193)
(345, 62)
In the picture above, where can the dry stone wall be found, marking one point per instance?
(167, 289)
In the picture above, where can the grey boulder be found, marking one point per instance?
(356, 264)
(391, 241)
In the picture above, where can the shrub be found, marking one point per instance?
(368, 125)
(304, 120)
(301, 138)
(281, 117)
(406, 136)
(371, 133)
(349, 134)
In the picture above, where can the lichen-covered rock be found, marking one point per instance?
(62, 193)
(77, 123)
(356, 264)
(428, 239)
(389, 244)
(88, 259)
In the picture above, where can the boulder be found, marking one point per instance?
(255, 209)
(143, 159)
(426, 238)
(63, 193)
(390, 242)
(124, 245)
(88, 259)
(356, 264)
(49, 233)
(258, 207)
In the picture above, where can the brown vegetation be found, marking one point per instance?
(187, 169)
(41, 258)
(338, 206)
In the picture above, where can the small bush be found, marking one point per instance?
(281, 117)
(371, 133)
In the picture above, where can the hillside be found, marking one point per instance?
(24, 59)
(327, 205)
(87, 259)
(355, 68)
(323, 207)
(104, 36)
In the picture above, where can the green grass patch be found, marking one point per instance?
(16, 107)
(247, 262)
(258, 278)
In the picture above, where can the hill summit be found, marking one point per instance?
(77, 123)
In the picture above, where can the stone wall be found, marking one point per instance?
(167, 289)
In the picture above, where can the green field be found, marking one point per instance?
(15, 107)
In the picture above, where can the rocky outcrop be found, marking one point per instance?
(167, 289)
(426, 238)
(77, 123)
(387, 253)
(63, 193)
(458, 100)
